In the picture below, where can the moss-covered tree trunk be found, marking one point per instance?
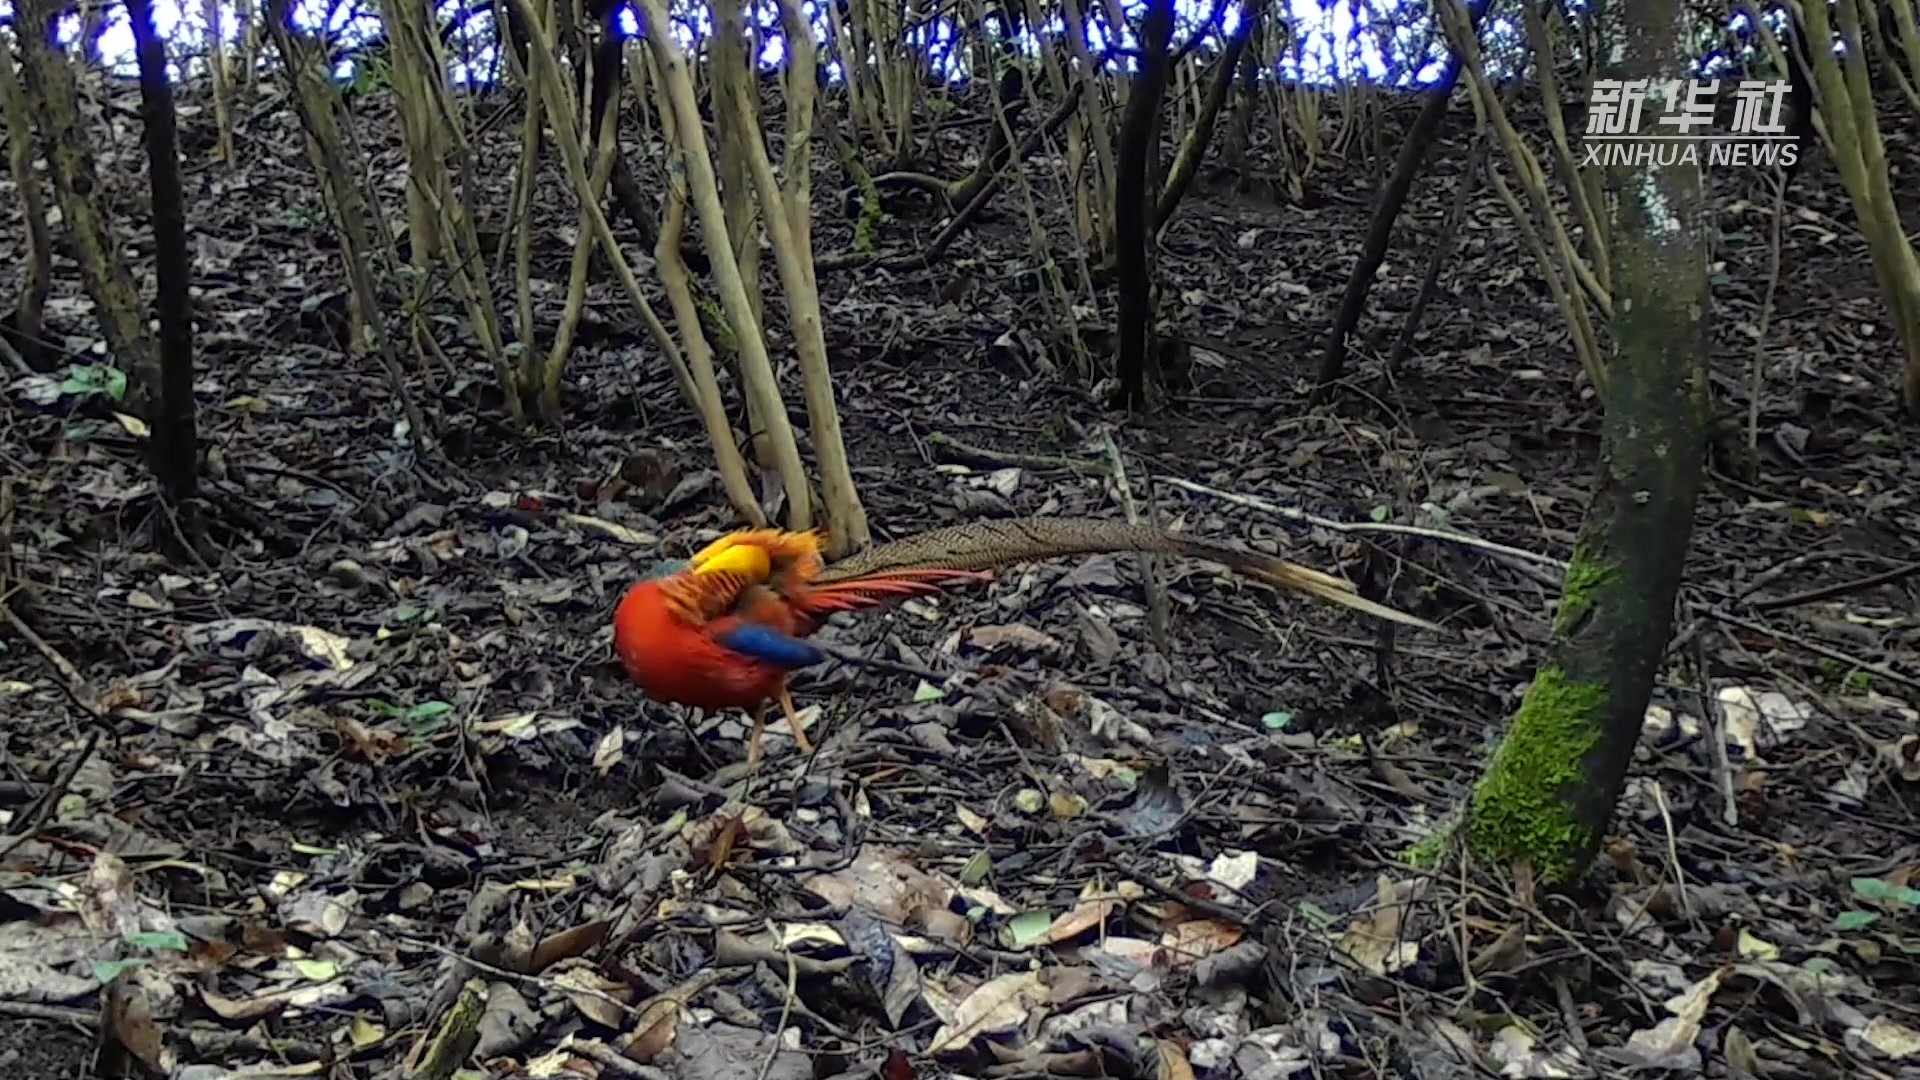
(1550, 790)
(23, 325)
(53, 100)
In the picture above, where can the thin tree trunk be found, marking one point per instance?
(1393, 196)
(1133, 264)
(1193, 148)
(54, 102)
(1442, 251)
(172, 446)
(37, 281)
(1551, 789)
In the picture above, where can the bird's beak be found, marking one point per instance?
(745, 561)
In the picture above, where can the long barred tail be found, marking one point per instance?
(992, 545)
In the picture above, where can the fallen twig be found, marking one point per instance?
(50, 799)
(1829, 592)
(1254, 502)
(1716, 735)
(543, 982)
(786, 1013)
(58, 1014)
(1159, 618)
(70, 678)
(952, 449)
(608, 1058)
(961, 453)
(846, 656)
(219, 1042)
(14, 359)
(1814, 647)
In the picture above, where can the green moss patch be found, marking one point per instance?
(1519, 808)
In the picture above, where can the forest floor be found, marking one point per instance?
(377, 747)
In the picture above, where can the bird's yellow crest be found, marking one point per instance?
(743, 561)
(752, 554)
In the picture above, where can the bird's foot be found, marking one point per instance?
(793, 723)
(753, 739)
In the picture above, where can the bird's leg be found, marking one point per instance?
(793, 722)
(753, 740)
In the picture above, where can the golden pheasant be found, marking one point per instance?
(727, 627)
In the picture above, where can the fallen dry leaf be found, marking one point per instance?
(1373, 939)
(304, 996)
(1891, 1039)
(1670, 1044)
(970, 820)
(127, 1018)
(1016, 636)
(1173, 1061)
(996, 1006)
(567, 944)
(885, 882)
(1084, 916)
(1198, 939)
(653, 1032)
(598, 998)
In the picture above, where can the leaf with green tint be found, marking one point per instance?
(108, 970)
(427, 717)
(1878, 889)
(1316, 914)
(88, 380)
(156, 940)
(1855, 920)
(1028, 927)
(316, 970)
(417, 715)
(977, 868)
(673, 825)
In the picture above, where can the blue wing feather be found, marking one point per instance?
(770, 646)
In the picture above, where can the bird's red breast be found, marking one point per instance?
(676, 659)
